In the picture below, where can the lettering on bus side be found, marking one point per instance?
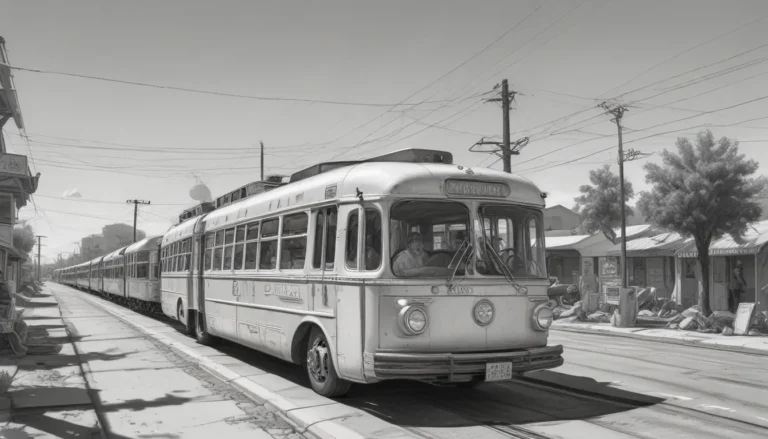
(461, 290)
(286, 293)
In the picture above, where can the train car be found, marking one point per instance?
(180, 260)
(113, 279)
(82, 272)
(95, 274)
(142, 274)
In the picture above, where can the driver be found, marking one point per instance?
(412, 257)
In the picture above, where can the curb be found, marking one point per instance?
(657, 339)
(303, 419)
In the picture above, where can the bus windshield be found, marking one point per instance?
(426, 236)
(515, 234)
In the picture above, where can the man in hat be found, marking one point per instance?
(412, 257)
(736, 287)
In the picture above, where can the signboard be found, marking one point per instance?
(723, 252)
(468, 188)
(14, 164)
(612, 294)
(743, 318)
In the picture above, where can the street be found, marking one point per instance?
(609, 387)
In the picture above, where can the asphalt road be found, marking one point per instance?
(609, 387)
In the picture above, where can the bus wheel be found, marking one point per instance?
(319, 363)
(183, 318)
(203, 337)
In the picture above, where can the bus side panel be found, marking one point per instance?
(349, 331)
(221, 318)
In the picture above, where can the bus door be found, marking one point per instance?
(323, 259)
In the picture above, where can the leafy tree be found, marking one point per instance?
(600, 203)
(24, 238)
(703, 191)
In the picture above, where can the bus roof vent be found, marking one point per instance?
(198, 210)
(249, 190)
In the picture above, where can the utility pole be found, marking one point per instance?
(508, 149)
(135, 212)
(262, 161)
(618, 112)
(39, 237)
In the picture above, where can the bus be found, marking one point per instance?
(404, 266)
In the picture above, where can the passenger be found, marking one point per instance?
(413, 257)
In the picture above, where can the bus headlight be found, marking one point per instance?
(483, 312)
(413, 320)
(542, 317)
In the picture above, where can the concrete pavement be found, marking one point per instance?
(102, 376)
(735, 343)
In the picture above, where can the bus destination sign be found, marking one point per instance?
(470, 188)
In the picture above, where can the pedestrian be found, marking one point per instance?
(736, 287)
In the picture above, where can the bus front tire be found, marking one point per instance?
(185, 319)
(319, 364)
(202, 336)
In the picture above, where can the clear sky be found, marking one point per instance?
(112, 141)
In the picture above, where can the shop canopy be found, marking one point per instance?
(563, 242)
(663, 244)
(755, 238)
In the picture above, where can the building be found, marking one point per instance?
(16, 181)
(559, 217)
(93, 246)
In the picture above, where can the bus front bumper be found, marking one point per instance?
(460, 367)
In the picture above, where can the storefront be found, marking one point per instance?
(723, 256)
(607, 267)
(651, 261)
(563, 262)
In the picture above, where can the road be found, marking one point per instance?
(609, 387)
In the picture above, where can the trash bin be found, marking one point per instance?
(627, 307)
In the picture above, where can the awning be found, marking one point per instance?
(663, 244)
(563, 242)
(754, 240)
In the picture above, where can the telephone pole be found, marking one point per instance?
(39, 237)
(618, 112)
(262, 161)
(508, 149)
(135, 212)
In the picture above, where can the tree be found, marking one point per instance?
(600, 203)
(704, 192)
(24, 238)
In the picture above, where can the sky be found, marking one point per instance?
(679, 65)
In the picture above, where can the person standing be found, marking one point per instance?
(736, 287)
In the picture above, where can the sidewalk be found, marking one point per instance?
(745, 344)
(88, 374)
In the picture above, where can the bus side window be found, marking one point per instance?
(218, 251)
(268, 248)
(251, 245)
(229, 247)
(293, 242)
(372, 239)
(351, 245)
(208, 251)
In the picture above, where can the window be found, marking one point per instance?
(6, 209)
(229, 243)
(208, 251)
(218, 251)
(141, 265)
(239, 248)
(325, 238)
(427, 238)
(293, 242)
(351, 248)
(268, 251)
(372, 239)
(512, 236)
(251, 245)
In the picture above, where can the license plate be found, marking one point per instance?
(498, 371)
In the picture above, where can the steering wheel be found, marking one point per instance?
(513, 261)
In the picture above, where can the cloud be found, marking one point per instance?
(73, 193)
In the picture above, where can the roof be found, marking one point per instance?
(754, 240)
(9, 100)
(561, 242)
(148, 243)
(115, 254)
(657, 245)
(371, 180)
(183, 230)
(632, 230)
(561, 207)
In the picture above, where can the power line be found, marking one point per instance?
(105, 201)
(215, 93)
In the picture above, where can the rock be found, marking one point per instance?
(727, 330)
(599, 317)
(645, 313)
(688, 324)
